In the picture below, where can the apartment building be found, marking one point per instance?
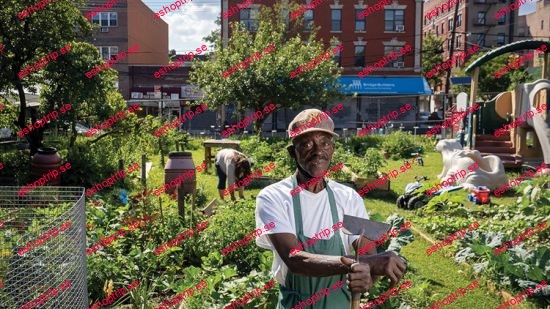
(537, 25)
(368, 31)
(122, 26)
(475, 24)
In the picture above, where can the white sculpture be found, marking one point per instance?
(457, 161)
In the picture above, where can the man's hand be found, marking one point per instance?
(386, 264)
(359, 280)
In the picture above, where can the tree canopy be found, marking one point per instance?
(61, 81)
(267, 80)
(432, 55)
(487, 83)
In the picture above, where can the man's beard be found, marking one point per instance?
(304, 172)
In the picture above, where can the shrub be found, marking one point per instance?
(16, 165)
(359, 145)
(400, 145)
(231, 223)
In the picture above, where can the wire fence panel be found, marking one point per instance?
(43, 248)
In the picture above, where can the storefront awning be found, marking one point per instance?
(382, 85)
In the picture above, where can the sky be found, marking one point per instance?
(527, 7)
(190, 24)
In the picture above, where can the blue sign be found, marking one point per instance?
(381, 85)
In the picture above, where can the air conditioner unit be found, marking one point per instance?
(399, 64)
(400, 28)
(104, 29)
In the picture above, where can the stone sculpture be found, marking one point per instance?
(456, 160)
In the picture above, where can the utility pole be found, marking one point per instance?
(447, 98)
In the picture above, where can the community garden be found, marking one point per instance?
(193, 273)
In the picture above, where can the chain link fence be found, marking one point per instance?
(42, 248)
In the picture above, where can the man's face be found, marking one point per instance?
(313, 151)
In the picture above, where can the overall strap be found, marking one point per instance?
(297, 209)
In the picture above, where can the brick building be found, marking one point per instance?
(132, 22)
(120, 27)
(537, 24)
(367, 38)
(475, 24)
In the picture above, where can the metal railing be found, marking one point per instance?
(42, 248)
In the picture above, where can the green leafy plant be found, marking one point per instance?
(371, 163)
(400, 145)
(232, 222)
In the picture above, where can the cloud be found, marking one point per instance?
(189, 25)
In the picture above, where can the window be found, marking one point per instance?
(359, 22)
(393, 18)
(449, 44)
(390, 49)
(106, 19)
(436, 30)
(542, 25)
(481, 39)
(308, 20)
(108, 52)
(501, 38)
(450, 24)
(285, 14)
(249, 19)
(481, 18)
(336, 17)
(459, 20)
(458, 41)
(337, 57)
(502, 20)
(113, 20)
(359, 56)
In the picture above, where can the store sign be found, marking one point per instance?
(158, 94)
(191, 92)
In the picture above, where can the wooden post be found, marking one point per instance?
(161, 213)
(121, 167)
(545, 66)
(193, 208)
(161, 152)
(473, 95)
(181, 203)
(144, 170)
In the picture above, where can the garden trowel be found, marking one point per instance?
(363, 227)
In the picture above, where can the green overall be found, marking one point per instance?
(301, 288)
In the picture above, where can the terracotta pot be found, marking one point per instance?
(45, 160)
(180, 164)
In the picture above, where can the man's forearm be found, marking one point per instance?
(316, 265)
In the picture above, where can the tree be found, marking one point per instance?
(487, 83)
(28, 40)
(432, 55)
(266, 80)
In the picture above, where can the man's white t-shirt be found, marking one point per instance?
(274, 203)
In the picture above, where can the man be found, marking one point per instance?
(322, 262)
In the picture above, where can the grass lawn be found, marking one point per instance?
(433, 277)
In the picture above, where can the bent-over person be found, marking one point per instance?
(233, 166)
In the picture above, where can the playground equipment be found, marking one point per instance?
(507, 107)
(489, 170)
